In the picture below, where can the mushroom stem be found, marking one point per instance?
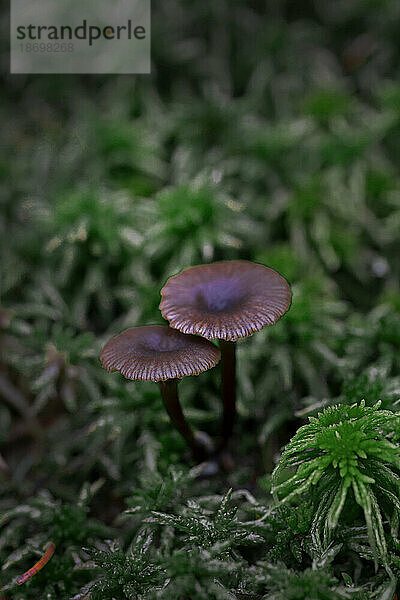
(228, 376)
(169, 394)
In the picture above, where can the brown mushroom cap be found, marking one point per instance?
(225, 300)
(158, 353)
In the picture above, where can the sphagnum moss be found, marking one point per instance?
(345, 448)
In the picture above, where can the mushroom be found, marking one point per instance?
(163, 355)
(227, 300)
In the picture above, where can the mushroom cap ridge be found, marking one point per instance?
(225, 300)
(158, 353)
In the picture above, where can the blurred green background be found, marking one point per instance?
(267, 131)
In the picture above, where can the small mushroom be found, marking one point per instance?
(163, 355)
(227, 300)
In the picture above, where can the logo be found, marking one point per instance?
(89, 36)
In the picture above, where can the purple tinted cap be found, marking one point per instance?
(158, 353)
(225, 300)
